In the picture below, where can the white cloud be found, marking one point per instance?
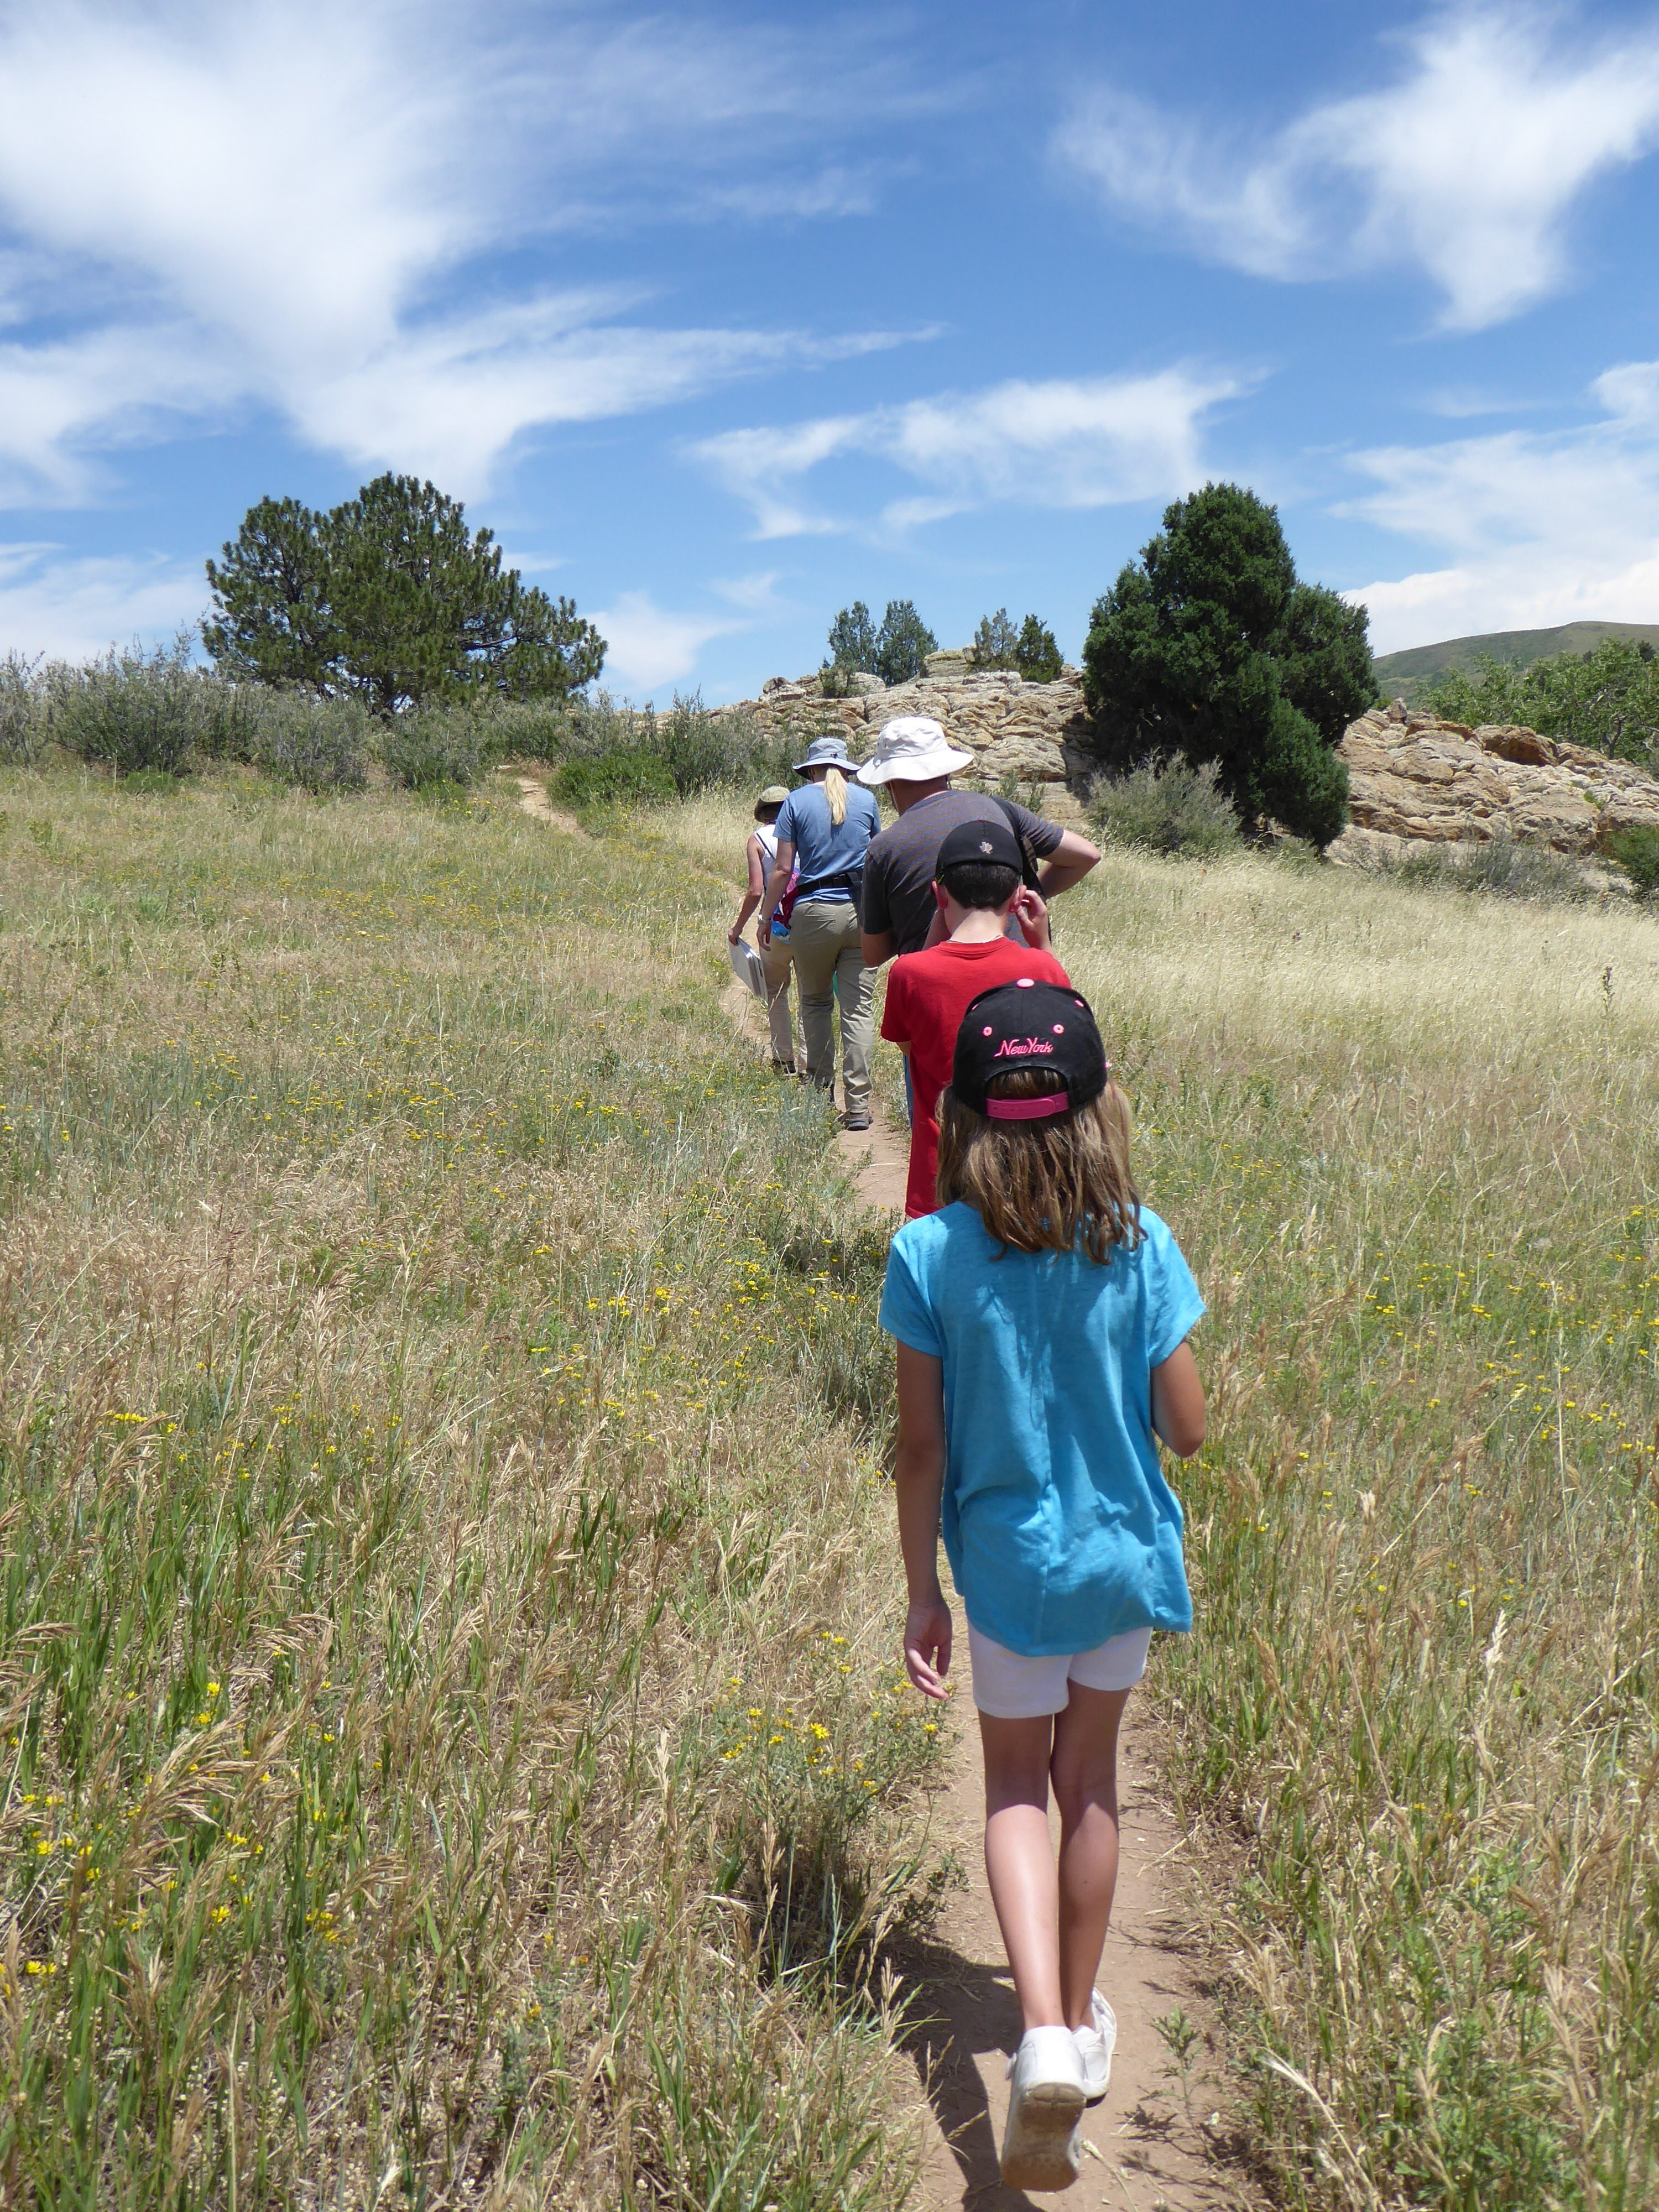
(1467, 167)
(1540, 527)
(284, 204)
(1078, 442)
(71, 608)
(647, 647)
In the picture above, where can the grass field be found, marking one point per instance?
(447, 1674)
(1410, 1140)
(446, 1680)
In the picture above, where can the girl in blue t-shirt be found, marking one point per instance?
(1041, 1319)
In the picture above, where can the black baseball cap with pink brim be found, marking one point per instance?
(1028, 1024)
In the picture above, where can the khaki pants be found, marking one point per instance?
(823, 945)
(775, 965)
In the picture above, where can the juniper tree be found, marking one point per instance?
(1209, 647)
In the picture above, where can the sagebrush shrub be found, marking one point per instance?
(1165, 806)
(431, 746)
(1503, 867)
(22, 718)
(135, 710)
(320, 744)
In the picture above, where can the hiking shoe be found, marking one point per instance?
(1094, 2045)
(1041, 2145)
(855, 1121)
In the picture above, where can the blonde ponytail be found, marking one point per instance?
(835, 790)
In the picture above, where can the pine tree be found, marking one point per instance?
(390, 598)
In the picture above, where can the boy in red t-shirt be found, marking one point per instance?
(978, 883)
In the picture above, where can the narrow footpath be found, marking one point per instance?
(1157, 2142)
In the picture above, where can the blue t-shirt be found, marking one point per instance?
(1060, 1527)
(823, 847)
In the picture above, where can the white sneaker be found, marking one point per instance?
(1041, 2145)
(1094, 2045)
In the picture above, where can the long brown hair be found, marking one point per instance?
(1038, 1186)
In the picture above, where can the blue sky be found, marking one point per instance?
(722, 317)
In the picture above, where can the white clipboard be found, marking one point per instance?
(746, 967)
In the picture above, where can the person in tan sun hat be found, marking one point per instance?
(760, 851)
(916, 760)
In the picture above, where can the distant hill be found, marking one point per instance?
(1407, 675)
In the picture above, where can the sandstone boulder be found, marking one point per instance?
(1416, 779)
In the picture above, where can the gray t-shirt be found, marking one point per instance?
(898, 868)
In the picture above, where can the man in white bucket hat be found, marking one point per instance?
(915, 760)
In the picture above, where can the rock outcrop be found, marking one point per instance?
(1033, 735)
(1414, 779)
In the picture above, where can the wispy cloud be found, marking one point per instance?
(70, 608)
(647, 646)
(1467, 165)
(295, 206)
(1532, 527)
(1084, 442)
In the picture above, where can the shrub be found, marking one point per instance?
(1165, 806)
(619, 779)
(1503, 867)
(432, 745)
(135, 710)
(1637, 852)
(1208, 647)
(22, 717)
(532, 729)
(320, 744)
(699, 746)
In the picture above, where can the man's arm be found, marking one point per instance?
(876, 946)
(1068, 864)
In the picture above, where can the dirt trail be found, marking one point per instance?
(533, 799)
(1149, 2145)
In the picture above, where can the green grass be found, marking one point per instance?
(444, 1380)
(445, 1675)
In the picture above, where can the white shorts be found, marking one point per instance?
(1010, 1687)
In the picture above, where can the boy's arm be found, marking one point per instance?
(919, 1479)
(1178, 1402)
(1031, 913)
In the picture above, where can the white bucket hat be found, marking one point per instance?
(912, 749)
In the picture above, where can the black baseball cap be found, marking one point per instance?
(987, 843)
(1028, 1024)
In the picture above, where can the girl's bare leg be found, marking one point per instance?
(1053, 1921)
(1019, 1861)
(1084, 1767)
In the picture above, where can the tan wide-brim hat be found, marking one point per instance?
(912, 749)
(774, 795)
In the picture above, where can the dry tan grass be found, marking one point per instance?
(1408, 1137)
(445, 1667)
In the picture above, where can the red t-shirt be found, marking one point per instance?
(927, 994)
